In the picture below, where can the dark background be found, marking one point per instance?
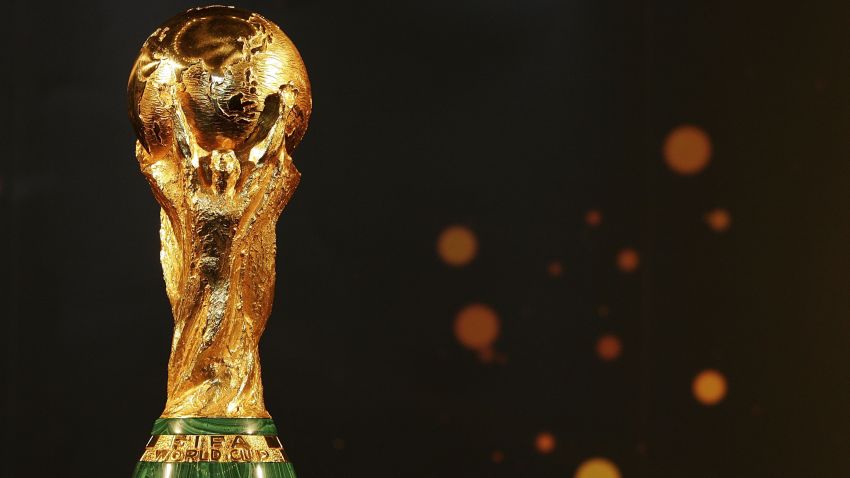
(513, 119)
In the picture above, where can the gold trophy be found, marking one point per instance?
(219, 98)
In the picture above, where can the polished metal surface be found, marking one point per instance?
(219, 98)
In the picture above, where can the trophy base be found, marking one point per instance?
(213, 470)
(214, 448)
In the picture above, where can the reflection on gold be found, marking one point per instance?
(219, 98)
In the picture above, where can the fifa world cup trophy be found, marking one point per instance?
(219, 99)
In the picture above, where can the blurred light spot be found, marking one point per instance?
(457, 245)
(603, 311)
(718, 220)
(497, 456)
(597, 468)
(556, 269)
(338, 444)
(545, 443)
(487, 355)
(477, 327)
(628, 260)
(593, 218)
(709, 387)
(687, 150)
(259, 470)
(608, 347)
(166, 472)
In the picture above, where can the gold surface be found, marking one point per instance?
(219, 98)
(220, 448)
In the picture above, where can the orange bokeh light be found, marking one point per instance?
(477, 327)
(597, 468)
(457, 245)
(555, 269)
(497, 456)
(609, 347)
(593, 218)
(718, 220)
(544, 443)
(687, 150)
(628, 260)
(709, 387)
(486, 355)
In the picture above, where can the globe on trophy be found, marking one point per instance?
(219, 98)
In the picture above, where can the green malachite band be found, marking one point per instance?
(213, 470)
(214, 426)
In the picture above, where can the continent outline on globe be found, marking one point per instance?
(228, 69)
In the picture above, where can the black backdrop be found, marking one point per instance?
(514, 119)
